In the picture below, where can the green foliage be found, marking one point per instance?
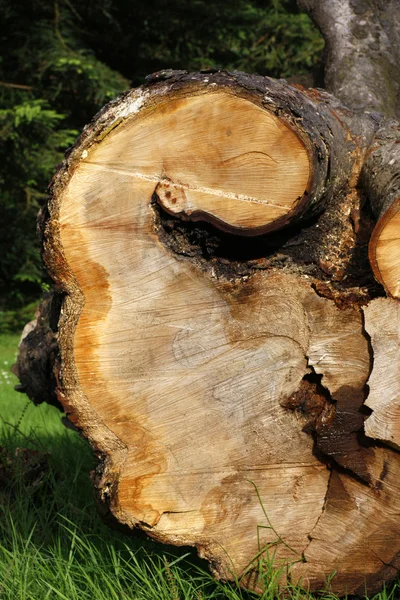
(60, 61)
(270, 37)
(50, 86)
(15, 320)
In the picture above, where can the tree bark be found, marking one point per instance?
(363, 53)
(220, 338)
(382, 182)
(38, 356)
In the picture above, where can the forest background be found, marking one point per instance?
(62, 60)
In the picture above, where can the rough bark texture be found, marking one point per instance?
(363, 54)
(381, 179)
(222, 348)
(38, 355)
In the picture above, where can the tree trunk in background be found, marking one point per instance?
(223, 343)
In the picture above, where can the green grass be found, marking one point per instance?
(53, 544)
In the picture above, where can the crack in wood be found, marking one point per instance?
(323, 510)
(185, 186)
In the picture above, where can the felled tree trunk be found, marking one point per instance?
(220, 337)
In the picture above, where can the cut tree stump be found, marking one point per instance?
(220, 368)
(381, 180)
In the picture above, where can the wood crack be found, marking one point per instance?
(385, 563)
(185, 186)
(323, 510)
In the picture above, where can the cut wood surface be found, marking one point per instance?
(381, 179)
(382, 322)
(217, 157)
(221, 375)
(385, 249)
